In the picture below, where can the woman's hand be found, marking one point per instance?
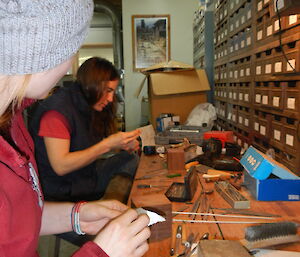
(95, 215)
(126, 235)
(123, 140)
(132, 146)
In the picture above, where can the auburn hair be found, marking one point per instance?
(93, 76)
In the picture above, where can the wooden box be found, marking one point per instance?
(175, 159)
(162, 206)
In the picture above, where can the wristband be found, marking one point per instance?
(75, 218)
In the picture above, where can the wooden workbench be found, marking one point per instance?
(155, 166)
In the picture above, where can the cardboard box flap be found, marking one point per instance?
(260, 166)
(178, 82)
(167, 66)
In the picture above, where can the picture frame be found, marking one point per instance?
(150, 40)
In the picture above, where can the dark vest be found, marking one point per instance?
(80, 184)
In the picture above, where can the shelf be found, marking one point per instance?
(288, 114)
(282, 77)
(247, 24)
(221, 61)
(236, 8)
(247, 58)
(260, 14)
(274, 42)
(241, 54)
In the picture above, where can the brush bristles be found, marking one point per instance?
(270, 230)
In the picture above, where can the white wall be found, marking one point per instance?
(181, 35)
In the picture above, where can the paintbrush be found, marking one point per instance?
(269, 234)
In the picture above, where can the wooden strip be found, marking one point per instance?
(223, 215)
(219, 221)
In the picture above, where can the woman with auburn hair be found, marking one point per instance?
(74, 128)
(37, 42)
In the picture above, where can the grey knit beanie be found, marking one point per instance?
(37, 35)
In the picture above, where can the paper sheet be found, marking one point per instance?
(147, 135)
(154, 217)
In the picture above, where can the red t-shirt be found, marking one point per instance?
(54, 124)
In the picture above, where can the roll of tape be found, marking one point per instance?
(149, 150)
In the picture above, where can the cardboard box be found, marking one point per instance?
(268, 180)
(261, 166)
(175, 88)
(273, 189)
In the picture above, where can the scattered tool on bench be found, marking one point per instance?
(190, 164)
(188, 244)
(270, 234)
(178, 240)
(244, 212)
(149, 186)
(231, 195)
(145, 177)
(196, 206)
(181, 210)
(173, 175)
(216, 175)
(205, 236)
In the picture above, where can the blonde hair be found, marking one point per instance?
(12, 93)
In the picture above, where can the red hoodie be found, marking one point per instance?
(20, 211)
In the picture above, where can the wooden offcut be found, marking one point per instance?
(175, 159)
(160, 204)
(221, 248)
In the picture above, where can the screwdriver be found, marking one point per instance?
(148, 186)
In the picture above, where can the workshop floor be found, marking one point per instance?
(47, 245)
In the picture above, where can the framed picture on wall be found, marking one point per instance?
(150, 40)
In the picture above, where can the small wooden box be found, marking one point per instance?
(160, 204)
(175, 159)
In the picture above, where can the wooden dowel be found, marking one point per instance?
(219, 221)
(223, 215)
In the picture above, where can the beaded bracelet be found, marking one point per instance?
(75, 221)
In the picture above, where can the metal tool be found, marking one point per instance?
(202, 201)
(204, 237)
(178, 239)
(187, 245)
(145, 177)
(181, 210)
(149, 186)
(245, 212)
(196, 206)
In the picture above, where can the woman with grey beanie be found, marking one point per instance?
(37, 42)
